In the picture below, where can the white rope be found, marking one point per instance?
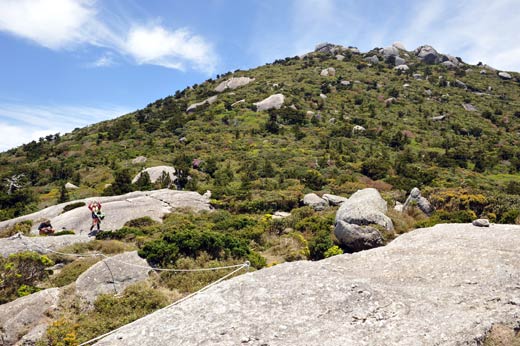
(174, 270)
(244, 265)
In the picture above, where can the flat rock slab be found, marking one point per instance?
(444, 285)
(41, 245)
(26, 315)
(112, 275)
(117, 209)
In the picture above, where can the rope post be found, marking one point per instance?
(247, 264)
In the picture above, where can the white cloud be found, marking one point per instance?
(51, 23)
(66, 24)
(158, 46)
(22, 124)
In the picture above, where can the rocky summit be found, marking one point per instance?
(445, 285)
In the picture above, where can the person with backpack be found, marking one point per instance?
(97, 215)
(45, 228)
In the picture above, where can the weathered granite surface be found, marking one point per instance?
(444, 285)
(26, 315)
(111, 275)
(19, 243)
(117, 209)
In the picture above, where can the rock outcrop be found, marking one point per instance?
(315, 202)
(428, 54)
(117, 209)
(209, 100)
(333, 199)
(111, 275)
(445, 285)
(233, 83)
(20, 243)
(421, 202)
(156, 172)
(274, 101)
(27, 316)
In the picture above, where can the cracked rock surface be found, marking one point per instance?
(117, 209)
(444, 285)
(111, 275)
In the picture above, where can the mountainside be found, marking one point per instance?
(302, 159)
(347, 119)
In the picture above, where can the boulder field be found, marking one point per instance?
(444, 285)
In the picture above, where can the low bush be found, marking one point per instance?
(23, 227)
(72, 206)
(70, 272)
(20, 274)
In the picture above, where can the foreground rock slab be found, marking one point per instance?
(444, 285)
(27, 315)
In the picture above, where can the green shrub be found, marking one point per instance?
(460, 216)
(191, 243)
(23, 227)
(144, 221)
(333, 251)
(70, 272)
(74, 205)
(319, 245)
(64, 232)
(20, 273)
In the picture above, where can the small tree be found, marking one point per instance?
(143, 182)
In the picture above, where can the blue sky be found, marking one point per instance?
(69, 63)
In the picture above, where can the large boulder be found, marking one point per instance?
(314, 201)
(428, 54)
(111, 275)
(27, 315)
(365, 207)
(504, 75)
(139, 160)
(328, 72)
(326, 47)
(71, 186)
(389, 52)
(117, 209)
(372, 59)
(357, 238)
(431, 286)
(156, 172)
(274, 101)
(399, 45)
(233, 83)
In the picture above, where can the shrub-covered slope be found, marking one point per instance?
(450, 130)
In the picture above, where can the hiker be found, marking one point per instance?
(97, 216)
(45, 228)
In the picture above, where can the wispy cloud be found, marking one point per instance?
(105, 60)
(67, 24)
(22, 124)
